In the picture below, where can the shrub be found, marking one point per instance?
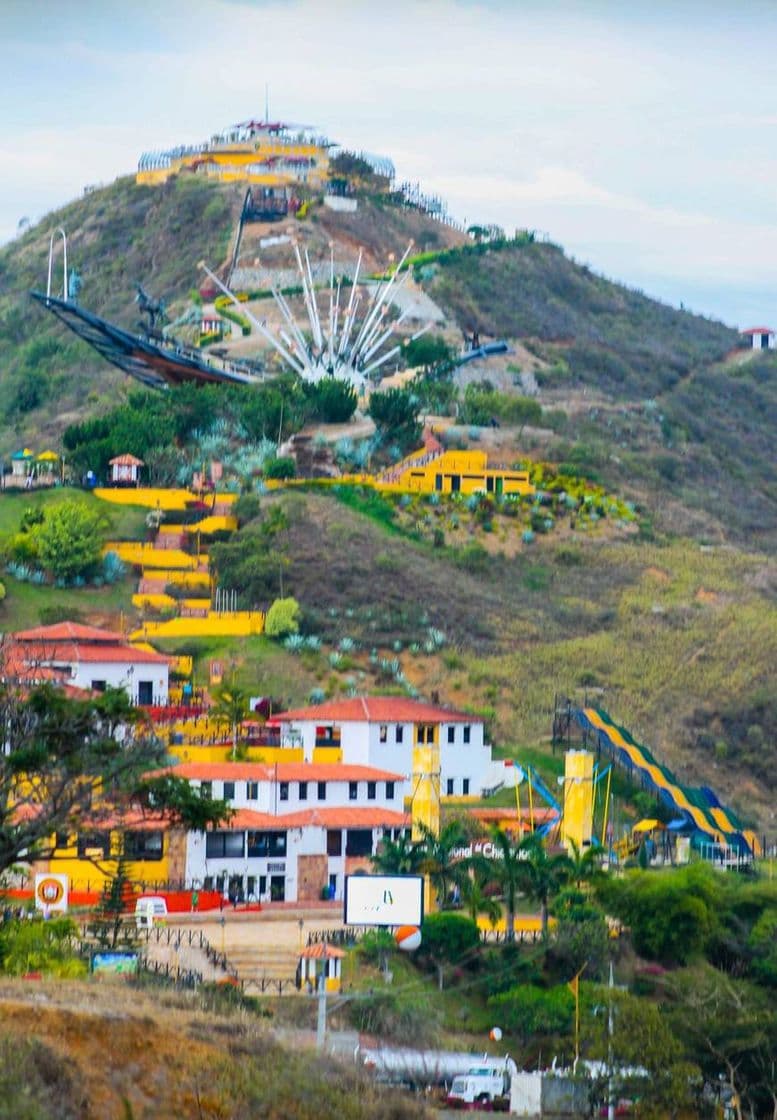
(281, 467)
(282, 618)
(334, 401)
(70, 540)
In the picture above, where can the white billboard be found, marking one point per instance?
(384, 900)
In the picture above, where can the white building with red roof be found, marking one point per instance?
(296, 830)
(382, 731)
(85, 657)
(761, 338)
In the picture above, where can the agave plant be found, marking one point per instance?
(294, 643)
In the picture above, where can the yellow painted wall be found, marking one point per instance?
(577, 821)
(143, 555)
(425, 788)
(228, 624)
(152, 497)
(65, 861)
(327, 754)
(268, 756)
(182, 577)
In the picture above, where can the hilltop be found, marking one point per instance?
(660, 403)
(672, 621)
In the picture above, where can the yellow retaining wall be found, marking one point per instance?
(222, 752)
(234, 624)
(147, 556)
(181, 577)
(150, 496)
(216, 523)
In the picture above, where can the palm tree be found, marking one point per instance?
(398, 857)
(507, 870)
(437, 859)
(541, 874)
(231, 708)
(475, 899)
(583, 864)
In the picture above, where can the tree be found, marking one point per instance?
(334, 400)
(398, 857)
(540, 875)
(282, 618)
(583, 865)
(430, 351)
(70, 539)
(507, 872)
(231, 708)
(448, 939)
(395, 413)
(61, 752)
(477, 900)
(437, 858)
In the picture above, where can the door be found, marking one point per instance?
(277, 888)
(455, 483)
(145, 693)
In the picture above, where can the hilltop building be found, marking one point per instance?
(269, 154)
(383, 730)
(762, 338)
(85, 657)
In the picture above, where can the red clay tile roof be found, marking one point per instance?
(345, 817)
(283, 772)
(322, 951)
(375, 709)
(68, 632)
(758, 330)
(52, 651)
(126, 461)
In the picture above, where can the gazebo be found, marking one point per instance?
(125, 470)
(45, 464)
(22, 462)
(315, 960)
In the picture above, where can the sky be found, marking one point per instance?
(639, 134)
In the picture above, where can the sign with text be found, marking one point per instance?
(51, 892)
(384, 900)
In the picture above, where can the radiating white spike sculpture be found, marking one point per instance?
(320, 350)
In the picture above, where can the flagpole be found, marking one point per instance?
(574, 986)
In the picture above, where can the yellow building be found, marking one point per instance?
(154, 851)
(261, 152)
(455, 472)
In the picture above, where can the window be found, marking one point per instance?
(383, 733)
(353, 791)
(321, 791)
(465, 786)
(229, 791)
(262, 845)
(425, 732)
(389, 791)
(284, 791)
(94, 842)
(358, 842)
(62, 840)
(98, 686)
(449, 787)
(451, 734)
(467, 732)
(144, 845)
(252, 791)
(303, 791)
(399, 734)
(334, 842)
(371, 790)
(145, 692)
(224, 845)
(206, 789)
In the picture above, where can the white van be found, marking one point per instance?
(149, 909)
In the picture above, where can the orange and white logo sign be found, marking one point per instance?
(51, 892)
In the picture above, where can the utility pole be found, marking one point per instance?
(610, 1097)
(321, 1024)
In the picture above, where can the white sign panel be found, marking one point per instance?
(384, 900)
(51, 892)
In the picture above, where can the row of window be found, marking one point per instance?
(272, 845)
(97, 845)
(229, 790)
(450, 787)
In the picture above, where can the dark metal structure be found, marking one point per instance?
(152, 361)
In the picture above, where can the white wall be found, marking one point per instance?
(124, 674)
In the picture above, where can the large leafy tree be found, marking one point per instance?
(82, 763)
(69, 541)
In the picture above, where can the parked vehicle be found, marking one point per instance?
(485, 1085)
(150, 909)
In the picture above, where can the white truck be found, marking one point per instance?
(485, 1085)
